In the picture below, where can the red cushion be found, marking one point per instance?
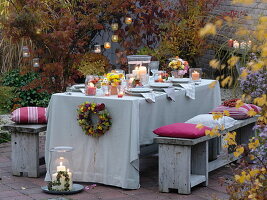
(29, 115)
(236, 113)
(181, 130)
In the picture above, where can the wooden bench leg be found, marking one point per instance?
(174, 168)
(25, 154)
(200, 162)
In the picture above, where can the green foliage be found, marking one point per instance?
(21, 94)
(6, 96)
(4, 137)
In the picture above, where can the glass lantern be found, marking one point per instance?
(25, 52)
(35, 62)
(138, 65)
(195, 74)
(97, 48)
(91, 83)
(60, 169)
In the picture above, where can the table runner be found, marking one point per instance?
(113, 158)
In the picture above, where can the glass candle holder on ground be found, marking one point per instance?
(121, 90)
(195, 74)
(106, 90)
(25, 52)
(35, 62)
(60, 169)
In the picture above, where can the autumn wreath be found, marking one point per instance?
(85, 112)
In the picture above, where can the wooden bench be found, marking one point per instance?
(25, 148)
(184, 163)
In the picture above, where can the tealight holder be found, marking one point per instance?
(106, 90)
(114, 26)
(90, 85)
(159, 76)
(114, 38)
(97, 48)
(35, 62)
(195, 74)
(25, 52)
(107, 45)
(60, 169)
(128, 20)
(120, 90)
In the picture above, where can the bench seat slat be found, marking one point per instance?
(25, 128)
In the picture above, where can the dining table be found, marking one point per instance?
(113, 158)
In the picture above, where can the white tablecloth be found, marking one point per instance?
(113, 158)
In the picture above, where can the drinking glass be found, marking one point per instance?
(154, 67)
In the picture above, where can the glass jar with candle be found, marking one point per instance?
(195, 74)
(91, 82)
(35, 62)
(60, 169)
(138, 65)
(25, 52)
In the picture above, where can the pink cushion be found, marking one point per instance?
(181, 130)
(257, 109)
(29, 115)
(236, 113)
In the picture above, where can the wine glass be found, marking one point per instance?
(154, 67)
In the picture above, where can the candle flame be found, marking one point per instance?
(91, 84)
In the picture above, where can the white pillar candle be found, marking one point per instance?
(61, 167)
(142, 70)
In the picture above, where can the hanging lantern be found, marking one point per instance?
(25, 52)
(35, 62)
(38, 31)
(114, 26)
(97, 48)
(128, 20)
(107, 45)
(115, 38)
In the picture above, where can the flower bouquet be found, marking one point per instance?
(114, 79)
(179, 66)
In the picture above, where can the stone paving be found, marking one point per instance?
(23, 188)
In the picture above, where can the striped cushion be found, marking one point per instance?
(29, 115)
(236, 113)
(257, 109)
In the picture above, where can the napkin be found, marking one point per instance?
(190, 90)
(170, 93)
(150, 97)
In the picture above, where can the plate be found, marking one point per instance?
(75, 189)
(139, 90)
(160, 85)
(180, 80)
(78, 86)
(133, 93)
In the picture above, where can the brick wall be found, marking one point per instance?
(226, 8)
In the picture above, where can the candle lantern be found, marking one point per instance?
(230, 42)
(90, 85)
(128, 20)
(60, 169)
(114, 26)
(138, 65)
(106, 90)
(97, 48)
(195, 74)
(120, 90)
(107, 45)
(35, 62)
(115, 38)
(160, 76)
(38, 31)
(25, 52)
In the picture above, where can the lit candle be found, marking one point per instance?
(142, 70)
(160, 78)
(195, 75)
(114, 26)
(107, 45)
(91, 89)
(236, 44)
(61, 167)
(35, 62)
(128, 20)
(249, 44)
(25, 52)
(230, 43)
(136, 72)
(243, 45)
(120, 94)
(115, 38)
(38, 31)
(97, 48)
(62, 181)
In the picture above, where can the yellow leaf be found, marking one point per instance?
(199, 126)
(253, 172)
(239, 151)
(225, 81)
(264, 52)
(261, 101)
(251, 113)
(233, 60)
(212, 84)
(239, 103)
(214, 63)
(209, 29)
(226, 113)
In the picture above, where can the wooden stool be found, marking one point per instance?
(25, 148)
